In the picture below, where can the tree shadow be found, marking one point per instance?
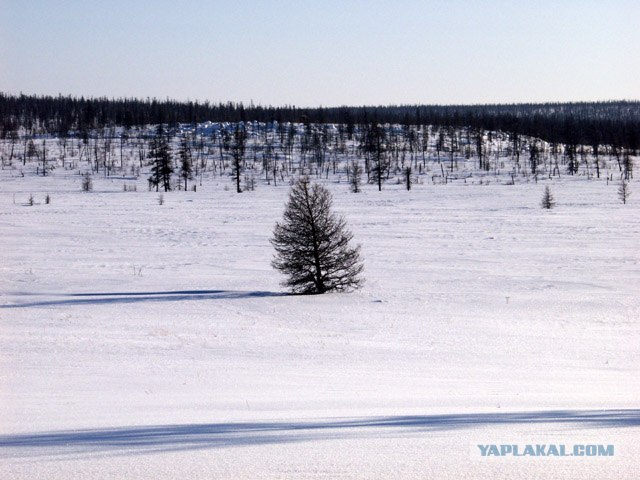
(136, 297)
(165, 438)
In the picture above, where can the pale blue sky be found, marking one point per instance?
(324, 52)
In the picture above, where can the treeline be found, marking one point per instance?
(615, 123)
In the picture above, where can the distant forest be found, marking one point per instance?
(615, 123)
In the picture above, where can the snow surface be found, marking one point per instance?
(153, 341)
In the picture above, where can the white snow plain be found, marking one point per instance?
(154, 341)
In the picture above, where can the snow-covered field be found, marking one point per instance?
(153, 341)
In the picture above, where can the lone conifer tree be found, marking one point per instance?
(312, 244)
(547, 199)
(624, 191)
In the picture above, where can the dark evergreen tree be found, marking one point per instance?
(355, 178)
(534, 157)
(312, 244)
(162, 166)
(547, 199)
(628, 165)
(44, 158)
(570, 152)
(185, 161)
(238, 147)
(376, 146)
(479, 140)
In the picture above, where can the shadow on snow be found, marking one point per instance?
(134, 297)
(164, 438)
